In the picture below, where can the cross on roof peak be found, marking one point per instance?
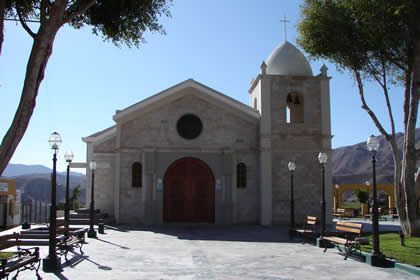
(285, 32)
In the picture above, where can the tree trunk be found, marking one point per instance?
(38, 59)
(409, 156)
(2, 12)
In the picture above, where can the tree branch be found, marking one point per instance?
(396, 63)
(366, 107)
(406, 105)
(43, 16)
(22, 21)
(73, 12)
(388, 103)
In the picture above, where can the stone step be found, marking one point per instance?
(42, 231)
(78, 216)
(86, 210)
(37, 242)
(81, 221)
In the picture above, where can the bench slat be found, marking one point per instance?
(349, 229)
(6, 237)
(8, 244)
(335, 239)
(354, 225)
(21, 262)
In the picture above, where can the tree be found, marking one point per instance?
(375, 40)
(362, 196)
(122, 22)
(73, 198)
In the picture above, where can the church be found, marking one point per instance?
(191, 154)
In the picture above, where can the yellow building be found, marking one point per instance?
(9, 203)
(339, 189)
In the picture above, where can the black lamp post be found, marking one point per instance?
(292, 167)
(373, 146)
(322, 158)
(68, 156)
(51, 262)
(367, 183)
(336, 196)
(92, 232)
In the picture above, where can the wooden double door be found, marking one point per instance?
(189, 192)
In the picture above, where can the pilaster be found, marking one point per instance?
(266, 187)
(227, 187)
(149, 159)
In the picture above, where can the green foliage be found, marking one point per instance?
(61, 205)
(355, 205)
(122, 22)
(362, 196)
(361, 35)
(6, 255)
(74, 204)
(390, 247)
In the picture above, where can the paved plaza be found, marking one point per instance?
(208, 252)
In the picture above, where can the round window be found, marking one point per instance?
(189, 126)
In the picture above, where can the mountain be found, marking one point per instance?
(38, 186)
(353, 165)
(35, 182)
(13, 170)
(22, 169)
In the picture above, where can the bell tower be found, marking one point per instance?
(295, 126)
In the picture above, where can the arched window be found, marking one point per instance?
(294, 108)
(136, 170)
(241, 175)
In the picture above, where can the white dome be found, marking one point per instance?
(287, 60)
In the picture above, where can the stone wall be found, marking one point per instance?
(224, 130)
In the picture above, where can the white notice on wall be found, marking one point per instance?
(4, 187)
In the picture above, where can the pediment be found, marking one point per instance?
(186, 88)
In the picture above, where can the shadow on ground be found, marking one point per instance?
(239, 233)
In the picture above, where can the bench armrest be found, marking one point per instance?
(33, 251)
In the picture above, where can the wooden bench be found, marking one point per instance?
(343, 213)
(369, 216)
(309, 229)
(351, 240)
(74, 239)
(394, 214)
(21, 260)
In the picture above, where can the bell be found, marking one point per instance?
(289, 99)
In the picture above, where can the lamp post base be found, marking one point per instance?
(292, 233)
(378, 260)
(51, 264)
(320, 243)
(92, 233)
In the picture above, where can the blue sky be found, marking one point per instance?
(218, 43)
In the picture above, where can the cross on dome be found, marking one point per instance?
(285, 32)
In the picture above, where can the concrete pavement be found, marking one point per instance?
(208, 252)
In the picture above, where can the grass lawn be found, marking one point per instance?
(389, 244)
(6, 255)
(350, 205)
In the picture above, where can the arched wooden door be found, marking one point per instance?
(188, 192)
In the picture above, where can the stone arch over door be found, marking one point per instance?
(188, 194)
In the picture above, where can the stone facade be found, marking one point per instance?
(261, 137)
